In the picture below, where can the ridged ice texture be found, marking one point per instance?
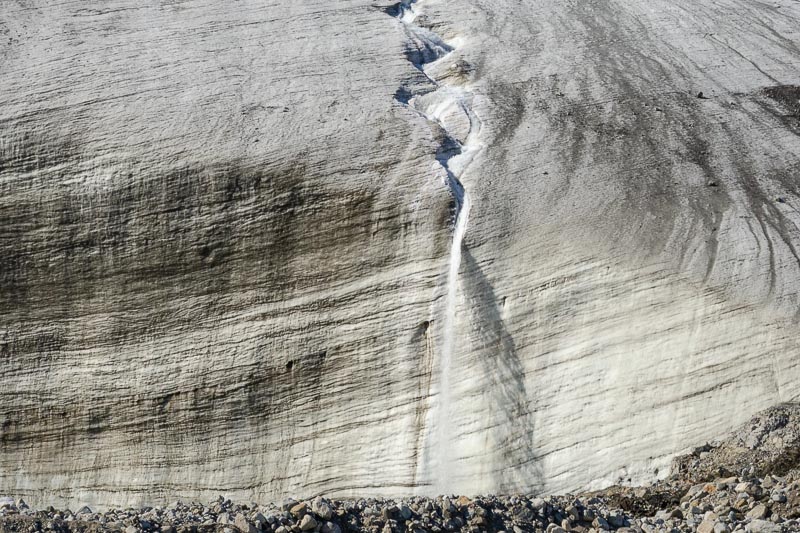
(226, 241)
(222, 245)
(631, 265)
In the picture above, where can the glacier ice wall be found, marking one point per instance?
(226, 243)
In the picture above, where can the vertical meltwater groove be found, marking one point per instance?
(445, 413)
(439, 107)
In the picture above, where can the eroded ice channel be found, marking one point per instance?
(449, 108)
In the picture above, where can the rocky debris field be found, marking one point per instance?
(747, 496)
(768, 444)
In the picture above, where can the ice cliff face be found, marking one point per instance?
(227, 237)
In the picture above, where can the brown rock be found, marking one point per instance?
(706, 526)
(299, 510)
(758, 512)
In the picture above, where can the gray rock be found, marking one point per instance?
(762, 526)
(693, 491)
(7, 502)
(600, 523)
(721, 527)
(706, 526)
(405, 512)
(307, 523)
(288, 503)
(331, 527)
(616, 519)
(448, 509)
(573, 513)
(243, 524)
(321, 508)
